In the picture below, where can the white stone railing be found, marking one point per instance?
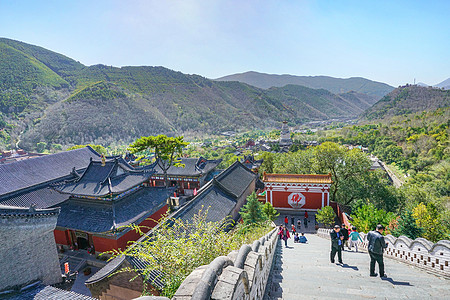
(240, 275)
(433, 257)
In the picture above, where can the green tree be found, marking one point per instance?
(428, 218)
(407, 226)
(168, 150)
(40, 147)
(367, 217)
(326, 216)
(252, 212)
(98, 148)
(345, 166)
(270, 212)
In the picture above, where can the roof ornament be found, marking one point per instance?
(32, 207)
(103, 160)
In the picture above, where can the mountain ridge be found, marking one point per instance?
(332, 84)
(58, 100)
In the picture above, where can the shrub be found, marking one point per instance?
(177, 247)
(326, 216)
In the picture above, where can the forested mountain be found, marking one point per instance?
(48, 97)
(335, 85)
(409, 99)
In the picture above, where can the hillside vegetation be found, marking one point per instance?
(409, 99)
(48, 97)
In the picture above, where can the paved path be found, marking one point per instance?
(304, 271)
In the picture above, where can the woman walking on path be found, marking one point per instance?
(353, 239)
(284, 235)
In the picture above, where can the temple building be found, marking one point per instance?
(221, 197)
(251, 163)
(297, 197)
(192, 176)
(27, 182)
(95, 199)
(107, 196)
(285, 136)
(297, 192)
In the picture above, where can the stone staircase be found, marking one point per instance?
(304, 271)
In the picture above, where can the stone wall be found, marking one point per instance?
(433, 257)
(28, 250)
(240, 275)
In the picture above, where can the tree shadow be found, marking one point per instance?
(392, 281)
(349, 267)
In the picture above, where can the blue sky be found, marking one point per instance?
(388, 41)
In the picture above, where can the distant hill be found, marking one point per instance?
(408, 99)
(444, 84)
(48, 97)
(335, 85)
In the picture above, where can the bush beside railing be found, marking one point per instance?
(433, 257)
(241, 274)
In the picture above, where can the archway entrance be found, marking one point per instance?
(82, 243)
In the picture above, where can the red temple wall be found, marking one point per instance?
(61, 237)
(102, 244)
(153, 220)
(312, 200)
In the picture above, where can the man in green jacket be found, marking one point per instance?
(376, 247)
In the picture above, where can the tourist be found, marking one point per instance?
(296, 238)
(353, 239)
(303, 239)
(299, 224)
(336, 244)
(344, 233)
(292, 221)
(305, 222)
(286, 220)
(376, 247)
(284, 235)
(293, 228)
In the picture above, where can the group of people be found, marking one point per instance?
(284, 234)
(340, 237)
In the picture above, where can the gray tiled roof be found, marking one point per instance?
(98, 216)
(213, 199)
(236, 178)
(114, 177)
(43, 197)
(42, 292)
(30, 172)
(14, 211)
(192, 167)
